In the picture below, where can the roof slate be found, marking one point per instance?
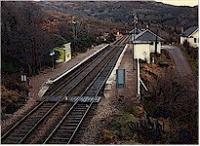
(147, 36)
(189, 31)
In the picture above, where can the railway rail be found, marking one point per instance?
(62, 85)
(66, 129)
(76, 114)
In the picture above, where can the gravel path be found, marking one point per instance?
(182, 66)
(107, 107)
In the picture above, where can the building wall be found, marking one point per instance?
(61, 57)
(191, 39)
(68, 53)
(182, 39)
(152, 47)
(194, 36)
(142, 51)
(64, 52)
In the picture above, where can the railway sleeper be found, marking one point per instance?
(63, 134)
(70, 124)
(74, 118)
(59, 140)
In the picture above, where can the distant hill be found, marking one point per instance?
(168, 19)
(148, 11)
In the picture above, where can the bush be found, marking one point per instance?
(192, 56)
(10, 65)
(107, 136)
(120, 125)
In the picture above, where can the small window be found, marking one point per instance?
(195, 40)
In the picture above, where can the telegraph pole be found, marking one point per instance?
(74, 27)
(156, 43)
(135, 21)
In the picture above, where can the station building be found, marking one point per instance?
(144, 43)
(63, 53)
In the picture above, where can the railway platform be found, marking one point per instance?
(60, 121)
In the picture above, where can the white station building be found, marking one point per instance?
(144, 43)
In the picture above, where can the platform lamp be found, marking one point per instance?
(52, 54)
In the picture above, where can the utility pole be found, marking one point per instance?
(52, 54)
(135, 21)
(74, 23)
(156, 43)
(138, 79)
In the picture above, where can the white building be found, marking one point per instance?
(191, 35)
(145, 43)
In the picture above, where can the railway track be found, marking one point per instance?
(66, 129)
(23, 129)
(61, 86)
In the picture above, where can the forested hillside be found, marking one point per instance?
(169, 20)
(148, 12)
(29, 33)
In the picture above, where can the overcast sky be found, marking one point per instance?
(180, 2)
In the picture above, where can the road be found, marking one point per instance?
(182, 66)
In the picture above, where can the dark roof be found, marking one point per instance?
(147, 36)
(135, 30)
(189, 31)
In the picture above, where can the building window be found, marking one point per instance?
(195, 40)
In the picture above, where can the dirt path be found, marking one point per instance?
(107, 107)
(182, 66)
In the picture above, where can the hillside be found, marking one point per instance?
(169, 20)
(31, 28)
(152, 12)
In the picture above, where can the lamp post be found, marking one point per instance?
(52, 54)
